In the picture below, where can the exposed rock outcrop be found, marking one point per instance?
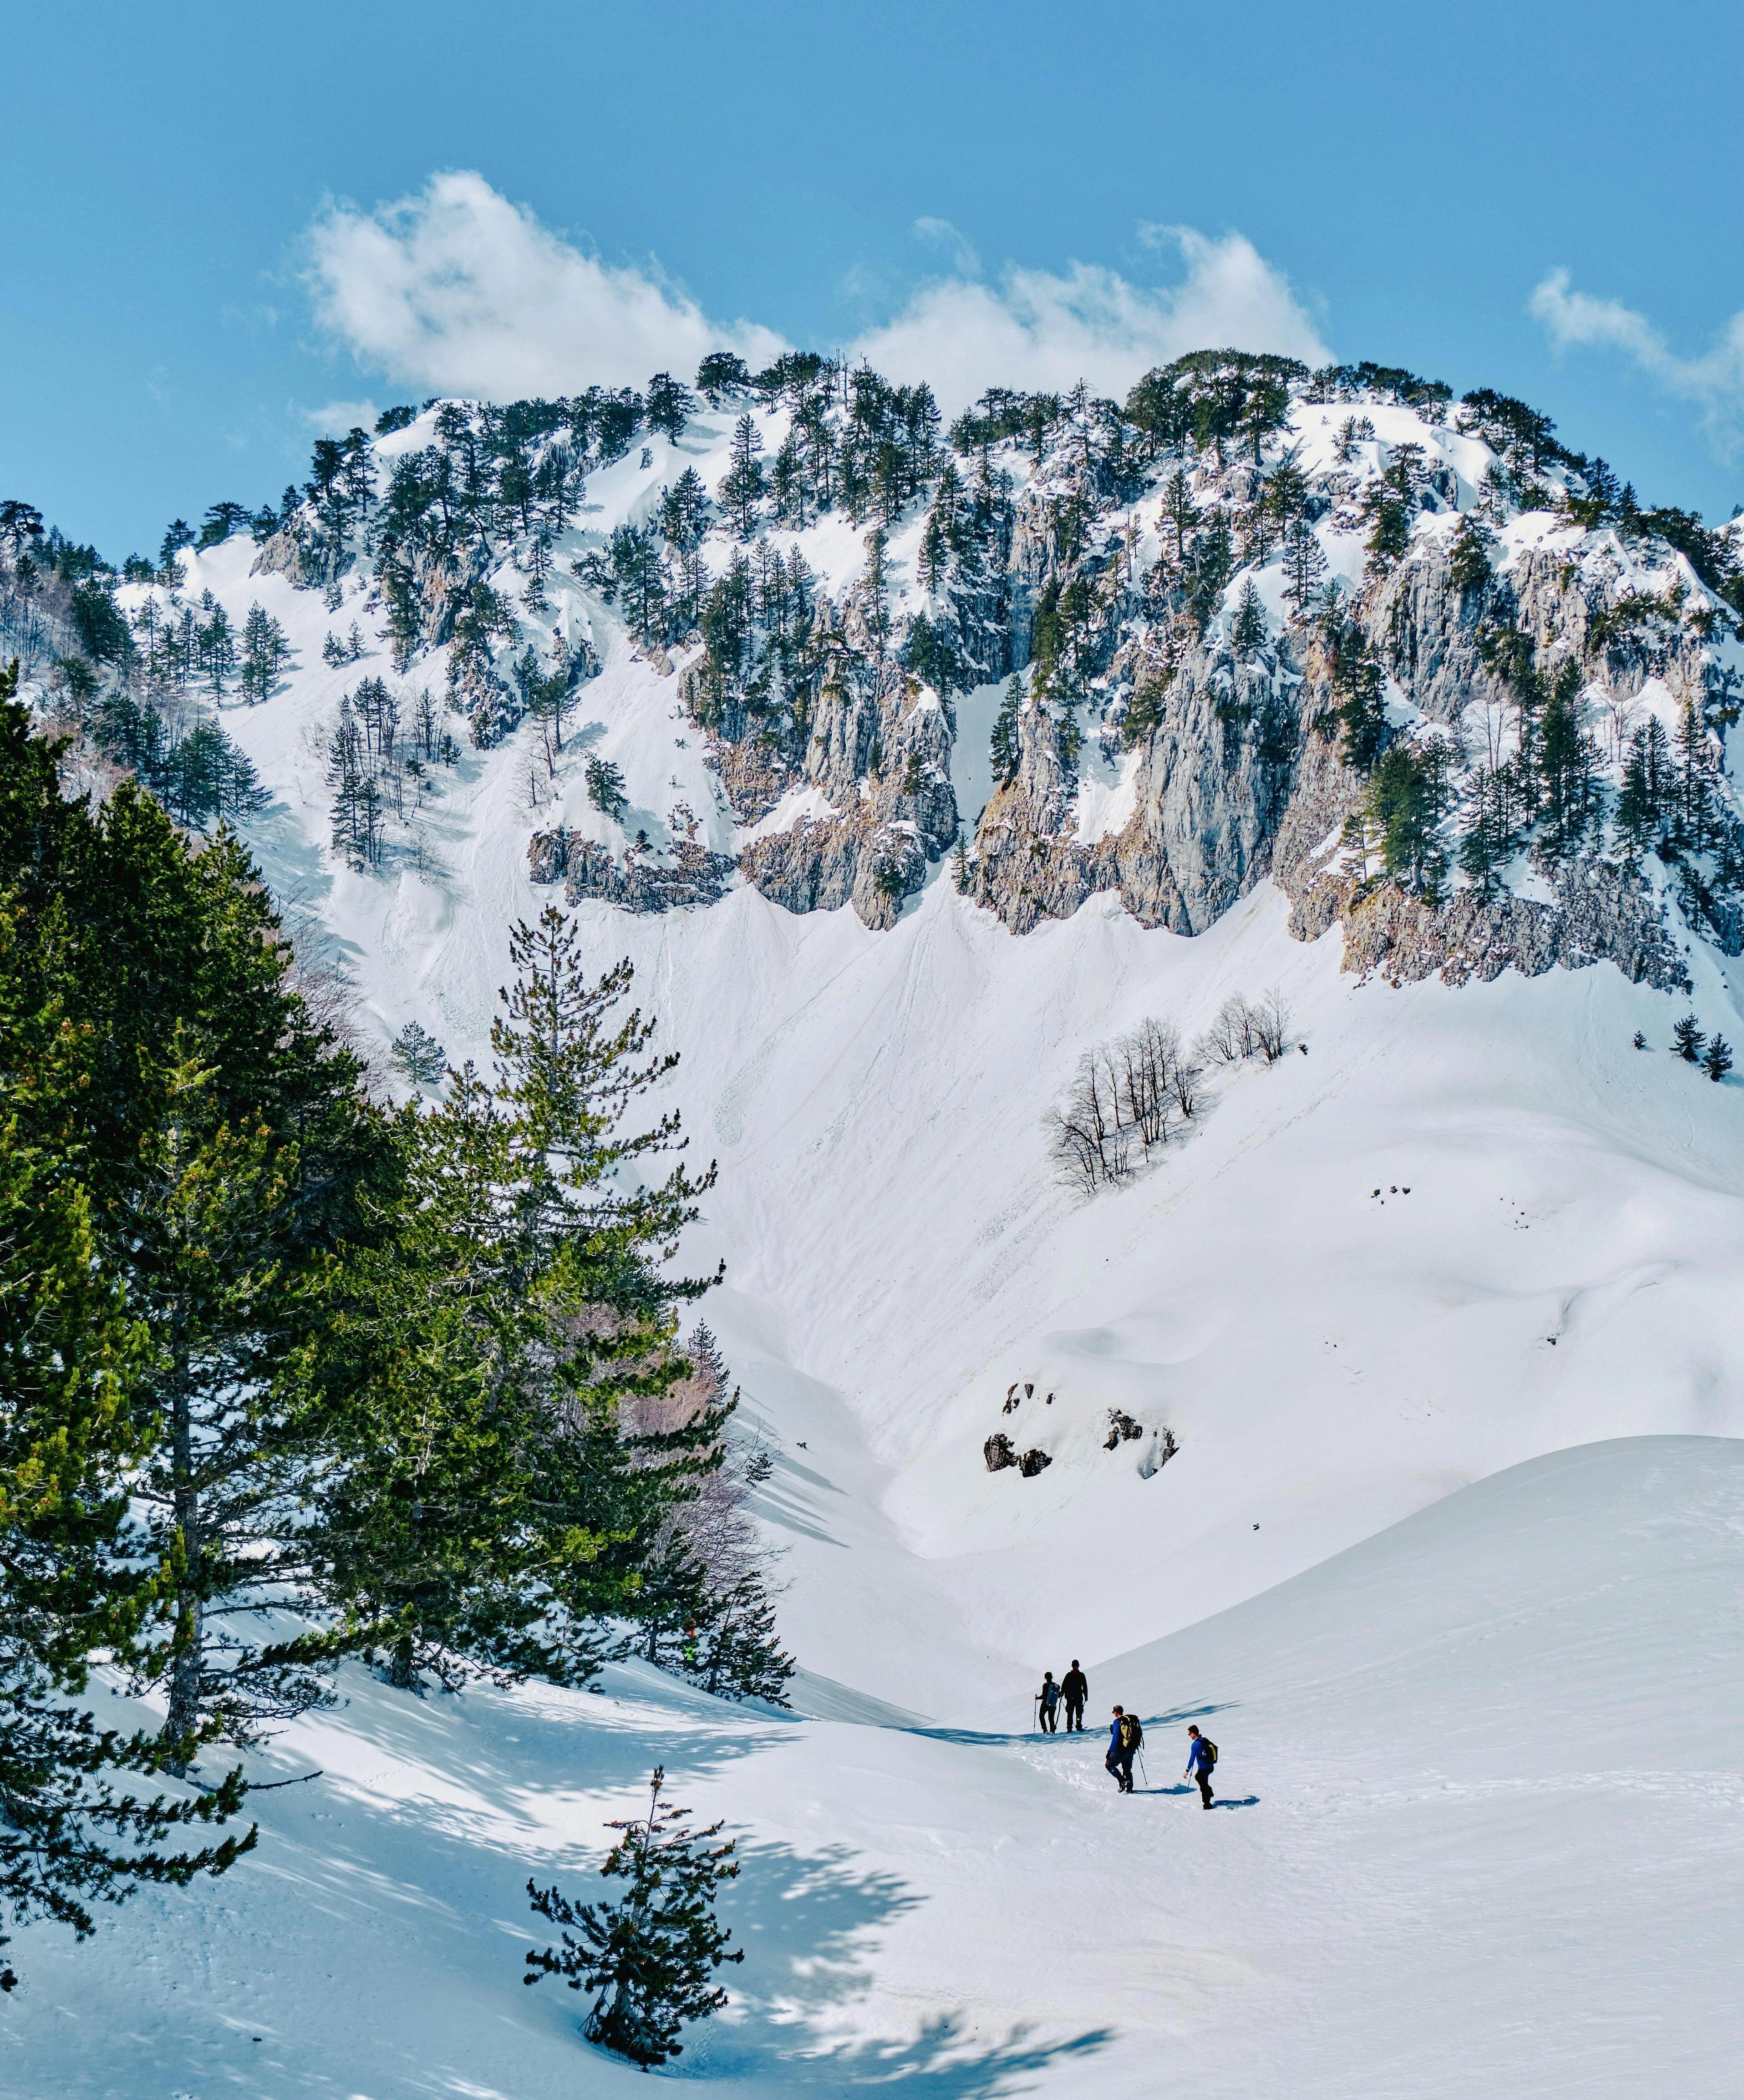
(1602, 913)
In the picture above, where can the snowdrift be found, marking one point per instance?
(1479, 1828)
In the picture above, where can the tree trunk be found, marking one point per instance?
(183, 1723)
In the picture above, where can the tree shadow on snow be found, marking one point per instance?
(810, 1925)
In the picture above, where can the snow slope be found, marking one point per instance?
(1480, 1829)
(898, 1252)
(1493, 1750)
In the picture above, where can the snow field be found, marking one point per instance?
(1481, 1819)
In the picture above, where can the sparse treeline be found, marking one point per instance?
(287, 1375)
(1130, 1097)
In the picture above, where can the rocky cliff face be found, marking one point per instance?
(1411, 660)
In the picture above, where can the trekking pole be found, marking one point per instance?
(1142, 1773)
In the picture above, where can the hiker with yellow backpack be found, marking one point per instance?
(1123, 1740)
(1202, 1754)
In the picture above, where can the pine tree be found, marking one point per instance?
(1468, 560)
(1305, 565)
(653, 1956)
(1567, 766)
(605, 787)
(1407, 798)
(1487, 839)
(1696, 820)
(1007, 750)
(1180, 512)
(1718, 1060)
(742, 488)
(722, 373)
(669, 404)
(418, 1054)
(1247, 636)
(499, 1513)
(1358, 687)
(1648, 786)
(1687, 1039)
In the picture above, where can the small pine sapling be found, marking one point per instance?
(1717, 1061)
(418, 1054)
(652, 1956)
(1687, 1040)
(1641, 1040)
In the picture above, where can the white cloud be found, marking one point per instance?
(1715, 381)
(1035, 329)
(334, 418)
(456, 290)
(459, 291)
(941, 233)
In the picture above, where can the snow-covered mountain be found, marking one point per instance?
(760, 729)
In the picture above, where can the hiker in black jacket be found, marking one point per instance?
(1074, 1688)
(1047, 1702)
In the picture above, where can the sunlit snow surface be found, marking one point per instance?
(1480, 1828)
(1487, 1762)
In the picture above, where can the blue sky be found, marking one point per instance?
(200, 254)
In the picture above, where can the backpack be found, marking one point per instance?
(1131, 1734)
(1210, 1748)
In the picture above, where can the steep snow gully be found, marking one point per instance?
(1440, 1312)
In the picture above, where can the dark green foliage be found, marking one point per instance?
(1390, 527)
(684, 511)
(605, 787)
(418, 1054)
(20, 522)
(103, 633)
(669, 404)
(742, 488)
(220, 520)
(1568, 769)
(1408, 797)
(1687, 1039)
(653, 1957)
(1468, 562)
(1247, 634)
(265, 655)
(1213, 565)
(483, 1356)
(1356, 681)
(187, 762)
(398, 418)
(1305, 565)
(722, 373)
(1509, 426)
(1490, 834)
(103, 953)
(68, 1838)
(1338, 383)
(1007, 751)
(1717, 1061)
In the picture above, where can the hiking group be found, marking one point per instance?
(1126, 1734)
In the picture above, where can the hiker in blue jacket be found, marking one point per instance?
(1124, 1737)
(1202, 1754)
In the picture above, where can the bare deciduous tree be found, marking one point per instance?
(1125, 1101)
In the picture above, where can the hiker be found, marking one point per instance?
(1049, 1696)
(1123, 1740)
(1074, 1688)
(1202, 1754)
